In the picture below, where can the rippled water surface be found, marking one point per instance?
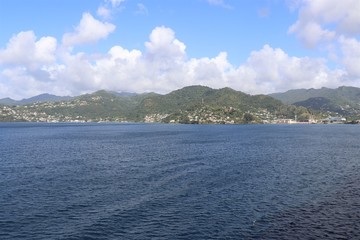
(154, 181)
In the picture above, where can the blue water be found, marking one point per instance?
(154, 181)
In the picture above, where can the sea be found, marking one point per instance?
(164, 181)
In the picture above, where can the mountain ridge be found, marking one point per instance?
(44, 97)
(344, 100)
(288, 97)
(345, 93)
(192, 104)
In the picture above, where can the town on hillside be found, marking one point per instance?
(192, 105)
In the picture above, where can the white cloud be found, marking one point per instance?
(162, 67)
(332, 26)
(351, 55)
(311, 33)
(24, 49)
(104, 12)
(273, 70)
(20, 82)
(89, 30)
(324, 20)
(119, 69)
(164, 47)
(118, 53)
(45, 50)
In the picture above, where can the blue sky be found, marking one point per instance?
(69, 47)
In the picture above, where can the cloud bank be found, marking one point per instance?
(325, 20)
(332, 26)
(30, 65)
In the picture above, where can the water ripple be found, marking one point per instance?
(144, 181)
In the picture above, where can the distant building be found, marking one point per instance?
(284, 121)
(334, 120)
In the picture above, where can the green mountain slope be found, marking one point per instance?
(342, 100)
(39, 98)
(199, 104)
(321, 104)
(196, 96)
(98, 106)
(194, 104)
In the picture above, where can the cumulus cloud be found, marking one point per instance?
(332, 26)
(311, 33)
(162, 67)
(351, 55)
(164, 47)
(26, 65)
(324, 20)
(24, 49)
(21, 82)
(274, 70)
(89, 30)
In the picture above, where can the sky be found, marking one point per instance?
(72, 47)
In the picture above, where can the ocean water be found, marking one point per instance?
(156, 181)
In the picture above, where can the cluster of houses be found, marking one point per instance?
(311, 121)
(334, 120)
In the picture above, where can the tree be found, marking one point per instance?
(248, 118)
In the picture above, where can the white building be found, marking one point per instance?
(334, 120)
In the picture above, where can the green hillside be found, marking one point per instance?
(321, 104)
(194, 104)
(343, 100)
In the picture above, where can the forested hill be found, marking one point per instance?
(344, 101)
(194, 104)
(39, 98)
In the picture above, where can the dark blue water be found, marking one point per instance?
(153, 181)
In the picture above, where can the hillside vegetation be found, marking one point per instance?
(344, 101)
(194, 104)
